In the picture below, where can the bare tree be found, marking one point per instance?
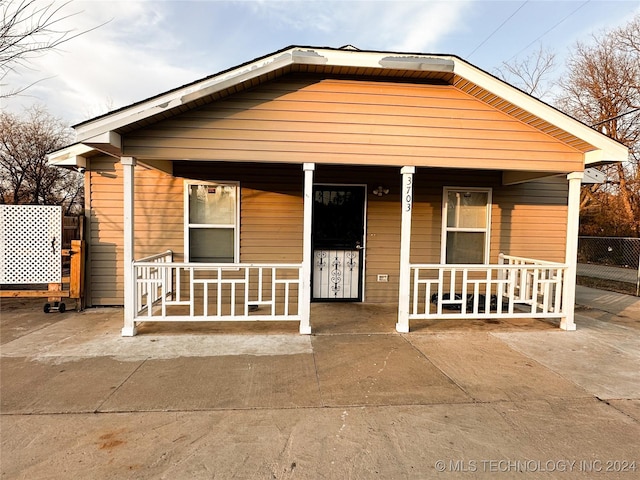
(602, 89)
(25, 176)
(532, 73)
(628, 37)
(29, 28)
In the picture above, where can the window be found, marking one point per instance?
(466, 214)
(211, 220)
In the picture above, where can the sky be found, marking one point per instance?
(137, 49)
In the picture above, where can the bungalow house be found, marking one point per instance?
(335, 175)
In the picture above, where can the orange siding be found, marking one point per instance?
(159, 224)
(530, 220)
(354, 122)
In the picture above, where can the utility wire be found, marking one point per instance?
(501, 25)
(552, 28)
(616, 117)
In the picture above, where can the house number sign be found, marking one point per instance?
(407, 189)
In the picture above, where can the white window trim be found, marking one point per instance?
(188, 226)
(445, 228)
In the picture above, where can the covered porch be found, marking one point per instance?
(160, 289)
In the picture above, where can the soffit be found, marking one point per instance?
(523, 115)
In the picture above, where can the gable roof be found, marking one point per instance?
(103, 132)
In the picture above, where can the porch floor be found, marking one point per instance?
(333, 318)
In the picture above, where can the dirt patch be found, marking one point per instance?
(605, 284)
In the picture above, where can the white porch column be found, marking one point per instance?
(405, 246)
(128, 167)
(571, 252)
(305, 273)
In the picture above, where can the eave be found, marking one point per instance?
(103, 132)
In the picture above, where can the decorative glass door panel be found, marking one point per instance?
(338, 231)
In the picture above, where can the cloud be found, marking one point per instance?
(148, 47)
(388, 25)
(131, 56)
(423, 29)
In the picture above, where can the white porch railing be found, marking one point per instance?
(173, 291)
(515, 288)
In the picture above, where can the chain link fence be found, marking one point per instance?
(610, 263)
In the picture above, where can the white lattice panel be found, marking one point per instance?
(30, 244)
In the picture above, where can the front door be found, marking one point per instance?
(338, 242)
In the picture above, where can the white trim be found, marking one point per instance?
(305, 270)
(445, 228)
(515, 287)
(71, 156)
(129, 167)
(404, 281)
(571, 254)
(188, 226)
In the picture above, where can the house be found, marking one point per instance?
(321, 174)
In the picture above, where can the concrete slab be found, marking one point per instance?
(22, 316)
(236, 382)
(336, 318)
(79, 386)
(628, 275)
(628, 407)
(488, 370)
(378, 370)
(577, 429)
(96, 333)
(142, 347)
(474, 325)
(523, 440)
(615, 303)
(600, 357)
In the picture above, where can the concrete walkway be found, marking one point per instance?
(627, 275)
(466, 399)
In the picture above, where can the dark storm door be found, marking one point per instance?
(338, 242)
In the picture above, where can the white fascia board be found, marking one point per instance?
(107, 142)
(607, 148)
(182, 96)
(110, 138)
(71, 156)
(380, 60)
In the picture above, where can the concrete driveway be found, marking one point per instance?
(466, 399)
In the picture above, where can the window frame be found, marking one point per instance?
(189, 226)
(446, 229)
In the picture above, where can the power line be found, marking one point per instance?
(552, 28)
(501, 25)
(616, 117)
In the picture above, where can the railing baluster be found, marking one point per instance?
(192, 292)
(440, 288)
(416, 276)
(273, 291)
(465, 279)
(514, 280)
(247, 276)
